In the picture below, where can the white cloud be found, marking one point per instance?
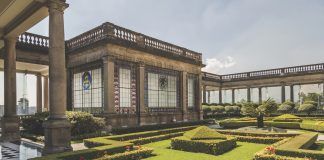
(216, 66)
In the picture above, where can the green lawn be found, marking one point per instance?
(243, 151)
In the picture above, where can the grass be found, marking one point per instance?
(245, 151)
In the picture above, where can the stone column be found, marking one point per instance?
(45, 92)
(292, 95)
(249, 94)
(183, 94)
(220, 96)
(283, 93)
(39, 97)
(208, 97)
(233, 96)
(10, 120)
(108, 80)
(141, 93)
(198, 102)
(260, 95)
(204, 94)
(57, 127)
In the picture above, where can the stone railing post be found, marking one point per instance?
(140, 40)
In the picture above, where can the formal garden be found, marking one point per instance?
(242, 131)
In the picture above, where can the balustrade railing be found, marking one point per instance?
(112, 32)
(210, 76)
(33, 40)
(275, 72)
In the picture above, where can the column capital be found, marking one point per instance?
(108, 59)
(140, 64)
(58, 5)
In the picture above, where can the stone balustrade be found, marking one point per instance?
(271, 73)
(33, 41)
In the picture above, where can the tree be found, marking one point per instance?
(249, 109)
(307, 107)
(253, 110)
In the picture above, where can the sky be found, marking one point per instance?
(233, 35)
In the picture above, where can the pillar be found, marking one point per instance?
(39, 96)
(57, 127)
(183, 94)
(10, 120)
(220, 96)
(208, 97)
(260, 95)
(233, 96)
(198, 102)
(292, 95)
(45, 92)
(249, 94)
(108, 80)
(141, 93)
(204, 94)
(283, 93)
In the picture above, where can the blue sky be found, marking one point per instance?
(233, 35)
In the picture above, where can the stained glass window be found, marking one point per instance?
(87, 91)
(161, 88)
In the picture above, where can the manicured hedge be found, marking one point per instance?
(158, 127)
(146, 140)
(214, 147)
(129, 155)
(101, 146)
(313, 125)
(287, 118)
(293, 148)
(261, 140)
(256, 134)
(236, 124)
(287, 125)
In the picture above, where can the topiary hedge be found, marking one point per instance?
(313, 125)
(137, 154)
(214, 147)
(287, 118)
(204, 140)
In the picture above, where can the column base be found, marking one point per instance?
(10, 128)
(57, 136)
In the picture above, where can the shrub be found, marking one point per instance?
(285, 108)
(287, 118)
(236, 109)
(307, 107)
(214, 147)
(82, 123)
(206, 109)
(229, 109)
(34, 123)
(311, 102)
(217, 109)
